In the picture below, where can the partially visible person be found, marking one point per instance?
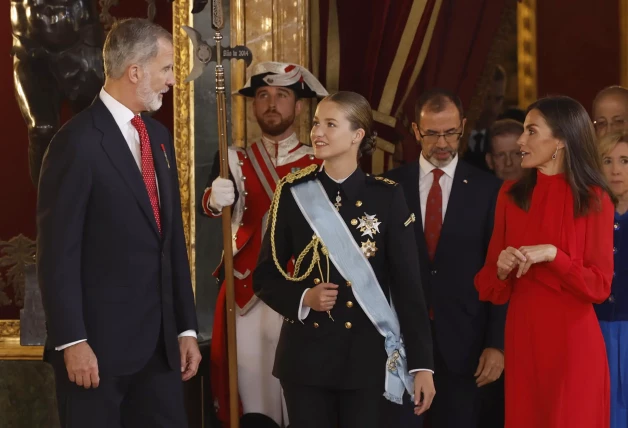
(111, 255)
(504, 156)
(613, 313)
(551, 256)
(610, 110)
(514, 113)
(454, 204)
(493, 106)
(278, 92)
(352, 237)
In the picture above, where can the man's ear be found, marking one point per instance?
(298, 106)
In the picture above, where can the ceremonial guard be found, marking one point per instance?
(351, 238)
(277, 90)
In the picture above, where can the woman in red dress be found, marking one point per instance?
(551, 256)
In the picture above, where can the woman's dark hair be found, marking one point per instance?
(571, 124)
(360, 115)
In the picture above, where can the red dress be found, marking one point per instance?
(556, 371)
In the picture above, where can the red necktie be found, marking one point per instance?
(434, 214)
(148, 167)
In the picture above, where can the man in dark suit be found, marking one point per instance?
(455, 203)
(111, 253)
(479, 139)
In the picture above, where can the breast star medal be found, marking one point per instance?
(368, 248)
(369, 225)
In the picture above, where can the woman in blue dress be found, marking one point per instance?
(613, 313)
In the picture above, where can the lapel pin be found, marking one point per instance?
(465, 181)
(163, 149)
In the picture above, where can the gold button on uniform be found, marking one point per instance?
(317, 281)
(348, 283)
(358, 204)
(315, 325)
(348, 325)
(354, 222)
(349, 304)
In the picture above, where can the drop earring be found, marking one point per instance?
(555, 153)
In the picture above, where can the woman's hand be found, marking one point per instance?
(536, 254)
(321, 298)
(424, 391)
(507, 261)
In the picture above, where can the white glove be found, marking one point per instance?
(223, 194)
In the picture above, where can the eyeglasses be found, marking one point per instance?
(450, 137)
(617, 123)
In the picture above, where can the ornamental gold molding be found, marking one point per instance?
(623, 33)
(9, 329)
(10, 348)
(184, 125)
(526, 52)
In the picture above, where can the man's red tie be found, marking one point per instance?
(434, 214)
(148, 167)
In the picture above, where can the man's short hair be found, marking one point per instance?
(504, 127)
(131, 41)
(436, 100)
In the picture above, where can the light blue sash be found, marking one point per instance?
(353, 265)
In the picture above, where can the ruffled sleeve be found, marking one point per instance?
(590, 277)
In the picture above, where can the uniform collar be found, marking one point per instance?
(281, 148)
(350, 187)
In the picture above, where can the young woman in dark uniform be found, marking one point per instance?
(339, 245)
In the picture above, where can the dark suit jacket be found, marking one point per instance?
(463, 325)
(106, 273)
(478, 158)
(346, 352)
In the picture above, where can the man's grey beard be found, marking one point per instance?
(149, 98)
(439, 163)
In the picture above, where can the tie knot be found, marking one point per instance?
(137, 122)
(438, 173)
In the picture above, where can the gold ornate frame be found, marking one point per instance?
(184, 125)
(623, 34)
(526, 52)
(10, 348)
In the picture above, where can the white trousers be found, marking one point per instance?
(257, 336)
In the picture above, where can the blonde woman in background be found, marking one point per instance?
(613, 312)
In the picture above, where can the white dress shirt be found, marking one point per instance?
(426, 178)
(122, 115)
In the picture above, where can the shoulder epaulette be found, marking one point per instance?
(301, 175)
(384, 180)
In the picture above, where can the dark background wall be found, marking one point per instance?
(578, 47)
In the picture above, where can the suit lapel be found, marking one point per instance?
(117, 149)
(164, 182)
(412, 188)
(456, 204)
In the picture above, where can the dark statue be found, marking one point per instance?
(57, 57)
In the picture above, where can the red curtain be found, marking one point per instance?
(386, 40)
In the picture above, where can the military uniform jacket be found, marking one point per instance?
(251, 206)
(343, 349)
